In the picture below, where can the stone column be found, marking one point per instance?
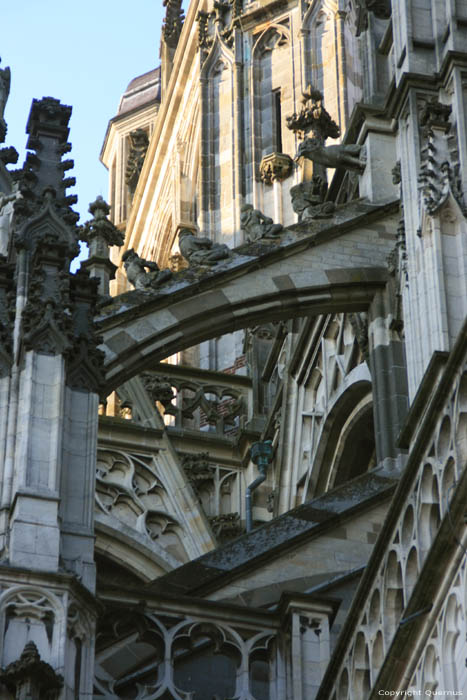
(386, 359)
(51, 369)
(309, 651)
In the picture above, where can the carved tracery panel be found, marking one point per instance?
(129, 489)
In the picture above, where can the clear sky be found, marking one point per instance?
(83, 53)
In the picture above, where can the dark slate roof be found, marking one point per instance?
(211, 570)
(141, 91)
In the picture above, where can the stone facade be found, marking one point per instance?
(282, 266)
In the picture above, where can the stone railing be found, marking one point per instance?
(177, 647)
(404, 592)
(200, 399)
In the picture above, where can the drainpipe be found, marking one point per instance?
(261, 454)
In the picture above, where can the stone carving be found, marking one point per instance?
(29, 677)
(204, 40)
(41, 181)
(138, 276)
(177, 262)
(274, 38)
(170, 633)
(85, 362)
(159, 388)
(308, 200)
(397, 259)
(380, 8)
(226, 526)
(256, 225)
(198, 469)
(5, 81)
(359, 323)
(396, 174)
(339, 156)
(313, 117)
(47, 324)
(173, 22)
(129, 489)
(99, 232)
(139, 143)
(439, 175)
(9, 156)
(7, 310)
(204, 402)
(276, 166)
(201, 251)
(435, 114)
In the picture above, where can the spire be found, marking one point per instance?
(41, 180)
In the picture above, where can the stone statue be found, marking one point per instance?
(339, 156)
(201, 251)
(256, 225)
(135, 268)
(5, 80)
(308, 200)
(139, 143)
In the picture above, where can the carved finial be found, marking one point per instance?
(43, 168)
(313, 117)
(29, 667)
(173, 21)
(100, 226)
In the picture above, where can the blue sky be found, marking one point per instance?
(84, 54)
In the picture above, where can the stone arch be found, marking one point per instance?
(217, 660)
(377, 654)
(217, 140)
(343, 687)
(361, 667)
(444, 441)
(429, 516)
(430, 671)
(461, 427)
(272, 98)
(374, 610)
(411, 572)
(47, 623)
(448, 480)
(394, 596)
(318, 21)
(451, 643)
(407, 527)
(351, 412)
(140, 328)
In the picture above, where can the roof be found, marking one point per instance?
(141, 91)
(213, 569)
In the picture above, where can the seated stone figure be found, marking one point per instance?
(339, 156)
(256, 225)
(201, 251)
(308, 200)
(137, 274)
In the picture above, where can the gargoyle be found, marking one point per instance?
(339, 156)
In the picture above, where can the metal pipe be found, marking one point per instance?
(261, 454)
(249, 509)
